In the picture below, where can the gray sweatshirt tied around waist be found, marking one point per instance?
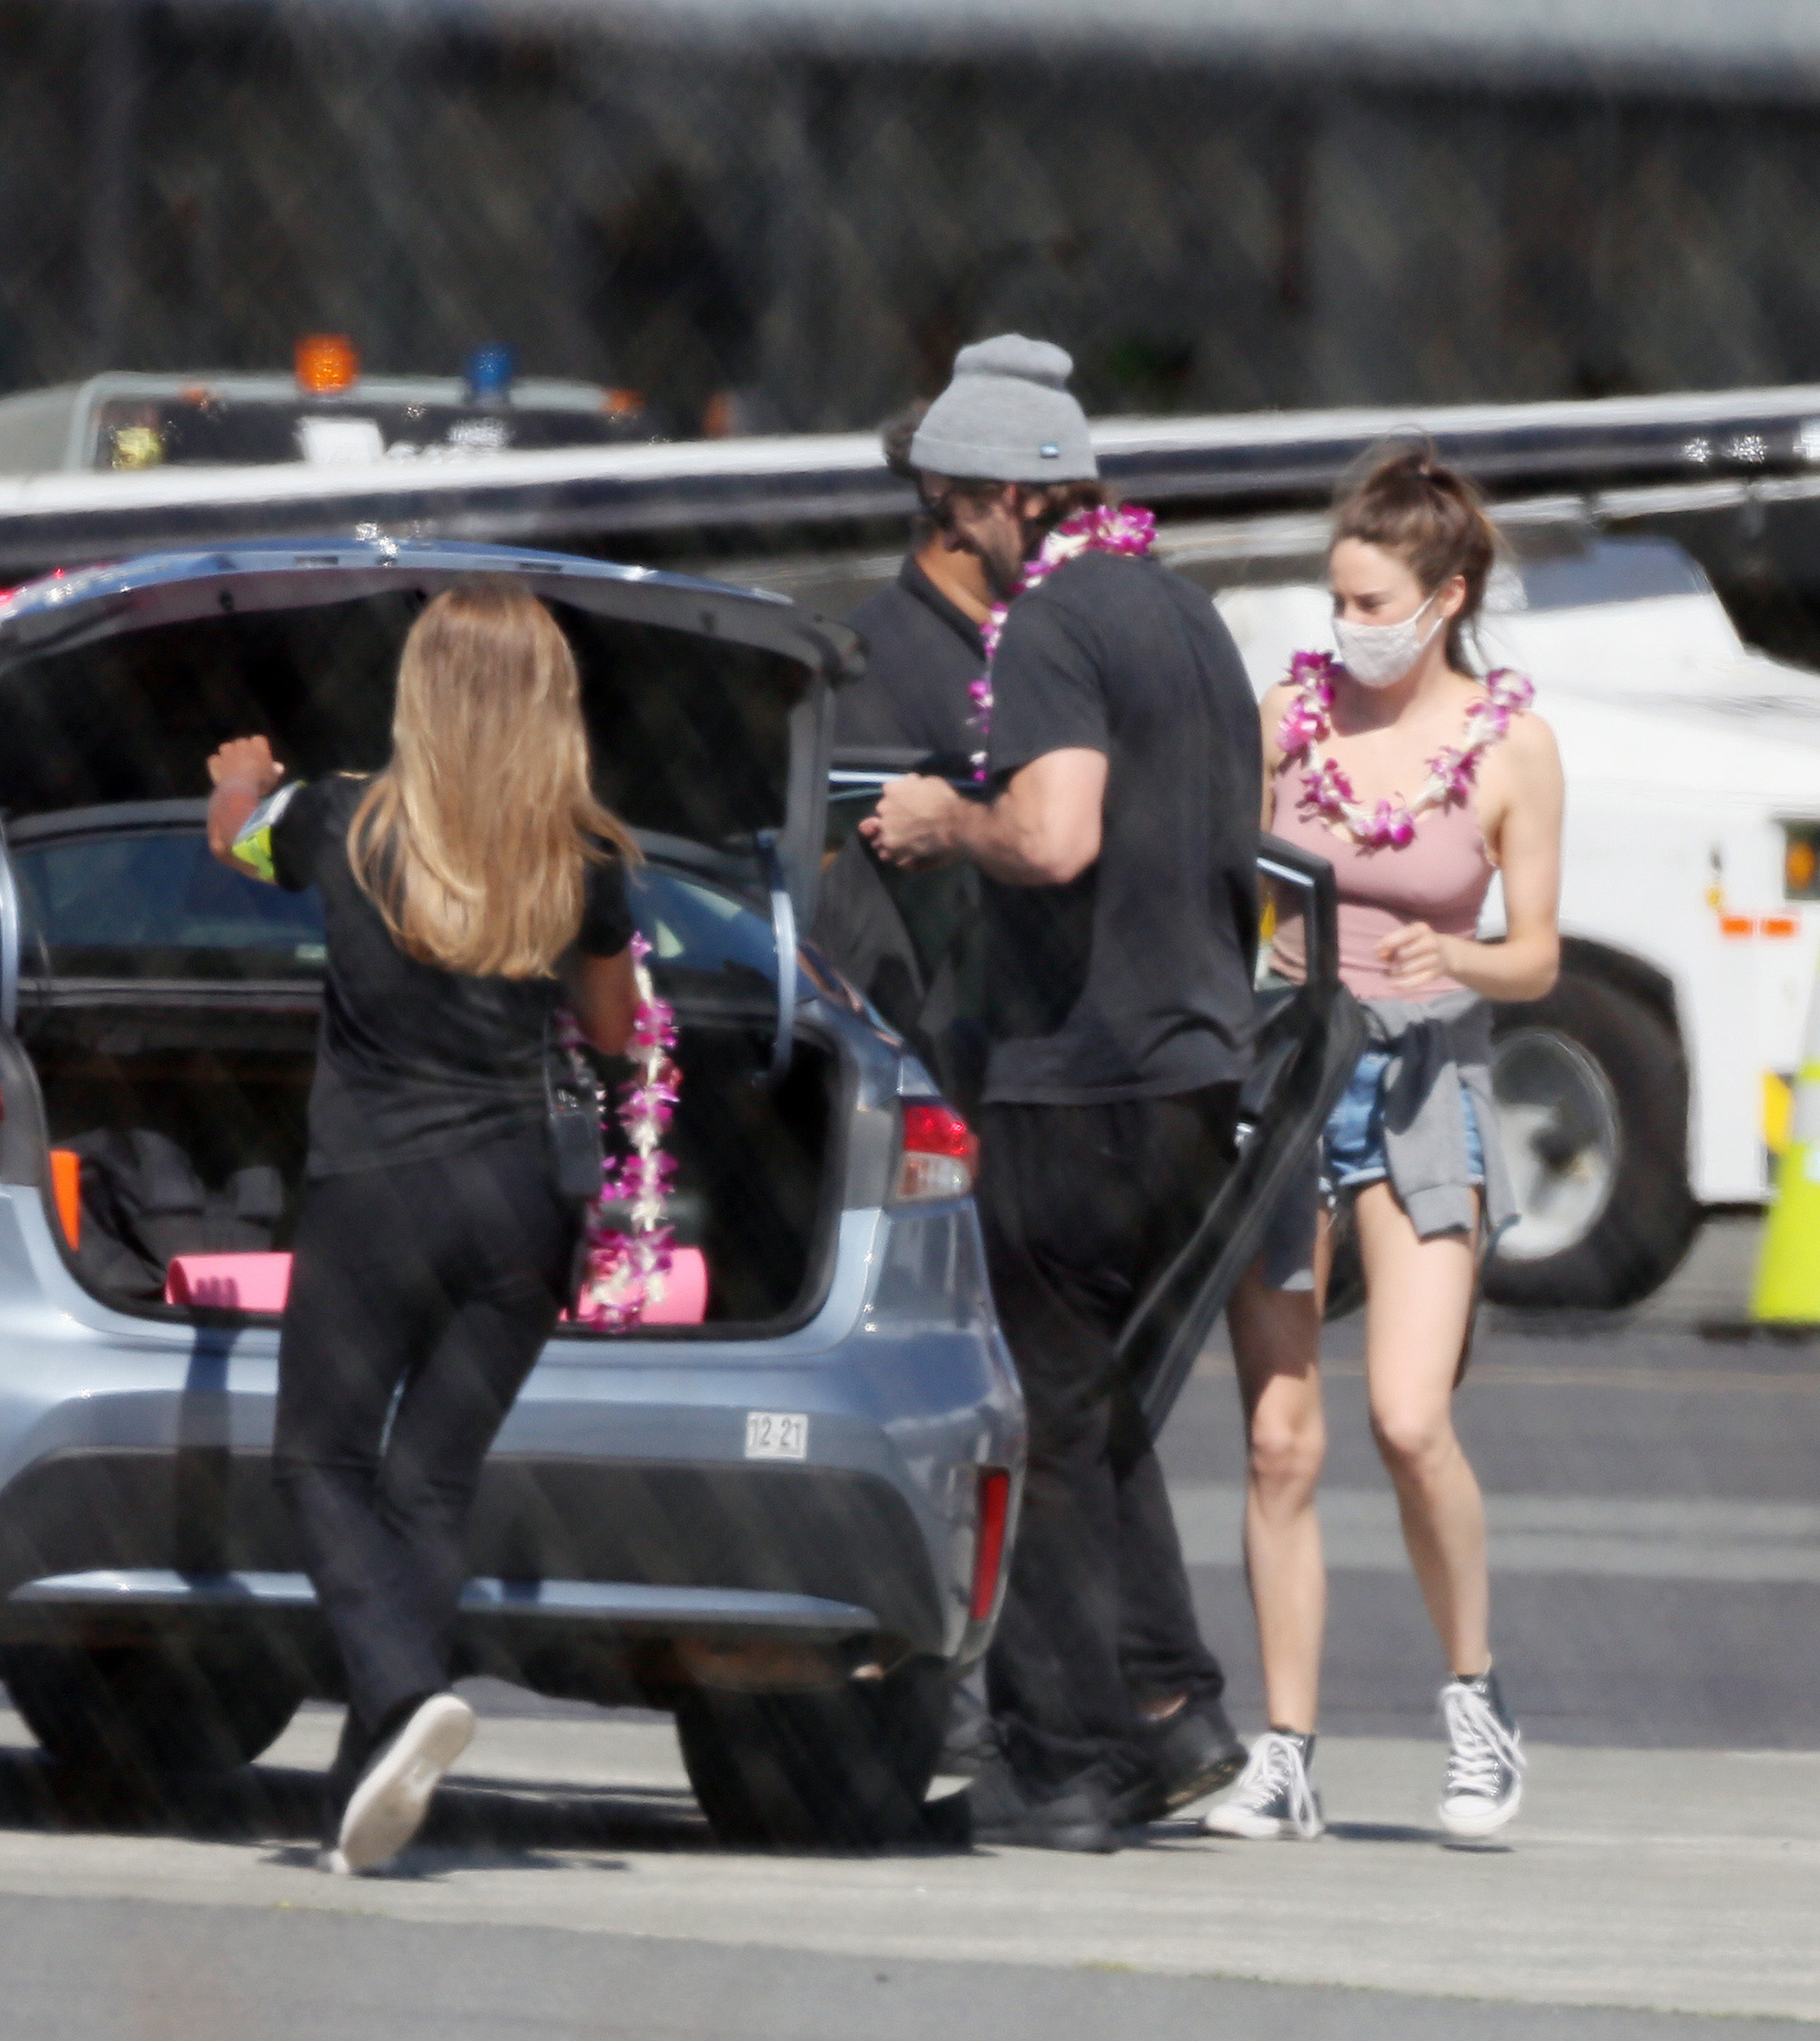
(1439, 1048)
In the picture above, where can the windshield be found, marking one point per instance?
(1610, 571)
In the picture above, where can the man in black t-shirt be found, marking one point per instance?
(911, 945)
(1117, 858)
(922, 646)
(923, 653)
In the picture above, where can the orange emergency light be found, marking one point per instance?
(326, 364)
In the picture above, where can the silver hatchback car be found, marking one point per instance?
(785, 1521)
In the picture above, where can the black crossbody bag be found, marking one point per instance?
(573, 1102)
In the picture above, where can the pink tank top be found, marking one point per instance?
(1440, 876)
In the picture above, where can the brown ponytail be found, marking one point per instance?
(1428, 514)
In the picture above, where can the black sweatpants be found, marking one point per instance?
(436, 1283)
(1083, 1207)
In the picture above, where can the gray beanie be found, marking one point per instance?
(1008, 417)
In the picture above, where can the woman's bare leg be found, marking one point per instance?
(1276, 1341)
(1419, 1294)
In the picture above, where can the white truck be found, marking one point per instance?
(1655, 1078)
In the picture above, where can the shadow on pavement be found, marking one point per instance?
(486, 1821)
(1383, 1832)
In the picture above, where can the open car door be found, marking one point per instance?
(1309, 1037)
(910, 939)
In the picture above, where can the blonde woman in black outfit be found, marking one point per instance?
(467, 889)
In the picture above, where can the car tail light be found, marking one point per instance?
(67, 1192)
(939, 1152)
(988, 1545)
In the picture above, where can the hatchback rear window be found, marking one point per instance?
(154, 903)
(155, 891)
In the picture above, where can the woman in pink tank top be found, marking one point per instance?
(1418, 778)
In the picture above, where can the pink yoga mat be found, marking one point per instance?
(685, 1290)
(232, 1282)
(261, 1282)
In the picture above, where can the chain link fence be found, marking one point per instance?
(762, 237)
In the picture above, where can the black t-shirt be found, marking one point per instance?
(923, 654)
(414, 1061)
(1133, 981)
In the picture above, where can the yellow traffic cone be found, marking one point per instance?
(1788, 1269)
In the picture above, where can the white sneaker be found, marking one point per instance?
(1272, 1800)
(387, 1807)
(1485, 1771)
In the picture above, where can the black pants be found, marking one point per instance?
(436, 1283)
(1083, 1205)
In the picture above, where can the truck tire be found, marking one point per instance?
(147, 1714)
(1592, 1092)
(845, 1767)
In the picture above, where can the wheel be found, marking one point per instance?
(845, 1767)
(152, 1712)
(1591, 1094)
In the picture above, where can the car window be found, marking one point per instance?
(702, 934)
(155, 903)
(140, 903)
(1610, 571)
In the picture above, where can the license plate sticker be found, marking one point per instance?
(776, 1435)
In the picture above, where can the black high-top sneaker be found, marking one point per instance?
(1273, 1801)
(1485, 1771)
(1000, 1807)
(1178, 1759)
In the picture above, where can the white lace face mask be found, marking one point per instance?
(1381, 654)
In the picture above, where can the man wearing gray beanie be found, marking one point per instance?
(1008, 417)
(1117, 849)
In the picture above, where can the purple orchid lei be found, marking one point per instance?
(1328, 793)
(1123, 529)
(625, 1271)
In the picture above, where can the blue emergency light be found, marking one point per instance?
(489, 375)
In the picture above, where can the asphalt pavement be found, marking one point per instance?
(1656, 1556)
(1652, 1491)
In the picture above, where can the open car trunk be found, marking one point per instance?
(168, 1007)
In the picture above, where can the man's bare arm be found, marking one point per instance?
(1043, 830)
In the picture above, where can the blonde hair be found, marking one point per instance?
(474, 842)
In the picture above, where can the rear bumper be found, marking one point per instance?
(89, 1600)
(618, 1514)
(811, 1551)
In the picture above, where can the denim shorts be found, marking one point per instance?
(1352, 1147)
(1351, 1155)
